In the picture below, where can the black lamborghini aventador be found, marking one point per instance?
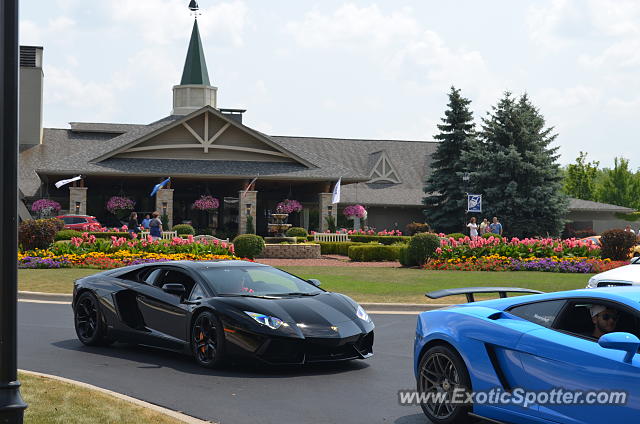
(217, 309)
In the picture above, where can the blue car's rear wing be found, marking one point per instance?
(470, 291)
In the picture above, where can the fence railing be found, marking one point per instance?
(330, 237)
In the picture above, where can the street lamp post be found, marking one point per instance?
(465, 179)
(11, 404)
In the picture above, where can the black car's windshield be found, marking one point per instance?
(257, 281)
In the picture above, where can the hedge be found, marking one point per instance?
(373, 253)
(67, 235)
(248, 245)
(386, 240)
(404, 257)
(337, 247)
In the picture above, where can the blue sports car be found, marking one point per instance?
(563, 357)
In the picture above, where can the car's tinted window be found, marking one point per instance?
(236, 280)
(153, 276)
(576, 319)
(542, 313)
(67, 220)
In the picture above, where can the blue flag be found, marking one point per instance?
(159, 186)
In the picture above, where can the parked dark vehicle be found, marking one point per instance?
(78, 222)
(215, 309)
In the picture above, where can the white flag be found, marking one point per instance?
(70, 180)
(244, 193)
(336, 192)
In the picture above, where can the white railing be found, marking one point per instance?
(331, 237)
(166, 235)
(204, 237)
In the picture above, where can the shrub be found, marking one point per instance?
(388, 240)
(374, 252)
(617, 244)
(331, 223)
(38, 233)
(337, 247)
(184, 229)
(421, 247)
(487, 235)
(297, 232)
(67, 234)
(165, 222)
(456, 236)
(417, 227)
(251, 229)
(248, 245)
(404, 257)
(108, 234)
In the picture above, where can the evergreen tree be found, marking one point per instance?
(620, 186)
(445, 198)
(580, 179)
(516, 170)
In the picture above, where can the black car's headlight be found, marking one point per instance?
(362, 314)
(269, 321)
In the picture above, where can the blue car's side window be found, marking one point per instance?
(542, 313)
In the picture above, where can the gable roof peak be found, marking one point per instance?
(195, 66)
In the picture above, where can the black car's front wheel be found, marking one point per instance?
(207, 340)
(443, 373)
(88, 320)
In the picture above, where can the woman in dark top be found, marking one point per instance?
(133, 226)
(155, 226)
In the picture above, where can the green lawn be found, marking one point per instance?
(363, 284)
(52, 402)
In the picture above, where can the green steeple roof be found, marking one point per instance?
(195, 67)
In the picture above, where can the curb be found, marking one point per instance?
(41, 296)
(169, 412)
(387, 307)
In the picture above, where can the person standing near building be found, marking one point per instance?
(484, 227)
(496, 227)
(133, 227)
(628, 229)
(146, 221)
(155, 226)
(473, 227)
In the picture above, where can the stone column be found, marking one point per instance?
(326, 208)
(78, 200)
(246, 206)
(164, 204)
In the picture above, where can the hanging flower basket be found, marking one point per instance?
(355, 211)
(288, 206)
(45, 207)
(119, 205)
(206, 203)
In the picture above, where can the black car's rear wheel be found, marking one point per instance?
(442, 372)
(88, 320)
(207, 340)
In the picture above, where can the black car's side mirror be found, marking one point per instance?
(175, 288)
(314, 282)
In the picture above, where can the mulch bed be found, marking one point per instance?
(328, 260)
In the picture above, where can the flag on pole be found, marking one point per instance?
(336, 192)
(474, 203)
(244, 193)
(159, 186)
(65, 182)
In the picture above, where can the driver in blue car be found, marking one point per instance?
(604, 320)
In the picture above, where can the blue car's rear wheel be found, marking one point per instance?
(443, 372)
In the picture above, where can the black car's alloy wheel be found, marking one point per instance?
(88, 321)
(442, 371)
(207, 340)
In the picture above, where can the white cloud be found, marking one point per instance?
(32, 33)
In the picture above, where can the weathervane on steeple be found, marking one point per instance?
(194, 8)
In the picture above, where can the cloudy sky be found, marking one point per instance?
(367, 69)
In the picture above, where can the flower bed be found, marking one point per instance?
(100, 260)
(90, 251)
(466, 247)
(582, 265)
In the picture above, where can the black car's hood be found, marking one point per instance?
(312, 315)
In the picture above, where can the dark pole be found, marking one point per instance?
(11, 404)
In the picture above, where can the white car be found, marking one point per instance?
(628, 275)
